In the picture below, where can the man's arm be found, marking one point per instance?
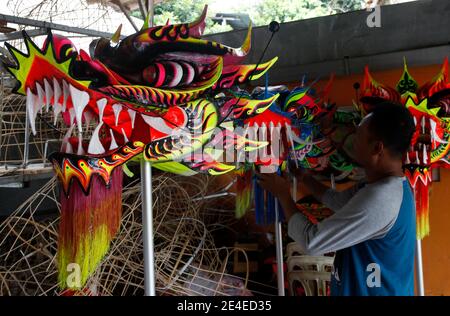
(369, 214)
(314, 186)
(366, 216)
(333, 199)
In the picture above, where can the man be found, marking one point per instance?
(373, 228)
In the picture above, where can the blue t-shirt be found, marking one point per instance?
(382, 266)
(373, 232)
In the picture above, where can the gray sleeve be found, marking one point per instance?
(370, 214)
(335, 200)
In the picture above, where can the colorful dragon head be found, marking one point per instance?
(162, 94)
(159, 82)
(430, 146)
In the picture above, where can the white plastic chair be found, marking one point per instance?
(293, 249)
(313, 282)
(310, 263)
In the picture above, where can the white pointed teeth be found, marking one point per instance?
(71, 116)
(407, 159)
(71, 102)
(57, 107)
(124, 135)
(157, 123)
(132, 116)
(66, 92)
(424, 155)
(95, 146)
(56, 92)
(32, 109)
(65, 140)
(101, 104)
(79, 100)
(41, 94)
(80, 150)
(117, 108)
(69, 149)
(68, 133)
(48, 94)
(113, 141)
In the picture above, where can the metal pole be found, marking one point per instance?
(143, 11)
(151, 12)
(27, 138)
(419, 268)
(279, 249)
(127, 15)
(54, 26)
(147, 224)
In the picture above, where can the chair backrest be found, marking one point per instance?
(310, 263)
(314, 283)
(293, 249)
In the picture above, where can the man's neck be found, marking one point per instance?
(376, 175)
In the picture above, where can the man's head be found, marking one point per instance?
(383, 136)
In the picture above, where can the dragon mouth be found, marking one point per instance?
(97, 125)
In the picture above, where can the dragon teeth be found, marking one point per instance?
(69, 149)
(132, 116)
(424, 155)
(80, 150)
(41, 94)
(124, 135)
(57, 92)
(95, 146)
(101, 104)
(157, 123)
(57, 107)
(263, 132)
(71, 115)
(32, 109)
(56, 110)
(66, 92)
(48, 94)
(113, 141)
(79, 100)
(65, 140)
(117, 108)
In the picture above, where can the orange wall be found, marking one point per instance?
(435, 247)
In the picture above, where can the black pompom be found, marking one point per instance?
(356, 86)
(274, 26)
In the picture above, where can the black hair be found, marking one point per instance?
(393, 125)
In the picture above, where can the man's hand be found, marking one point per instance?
(300, 173)
(279, 186)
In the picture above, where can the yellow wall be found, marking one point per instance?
(436, 247)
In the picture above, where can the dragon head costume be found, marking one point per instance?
(429, 105)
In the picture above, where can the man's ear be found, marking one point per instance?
(378, 147)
